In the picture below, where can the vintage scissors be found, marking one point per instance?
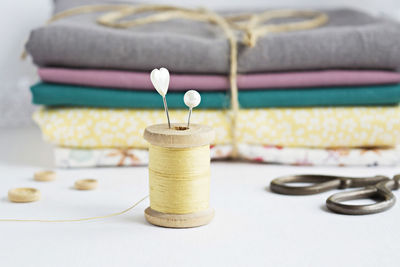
(378, 188)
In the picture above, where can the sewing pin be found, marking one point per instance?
(160, 80)
(192, 99)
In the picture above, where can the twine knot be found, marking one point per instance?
(249, 39)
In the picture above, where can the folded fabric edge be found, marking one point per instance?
(131, 80)
(67, 95)
(84, 158)
(64, 127)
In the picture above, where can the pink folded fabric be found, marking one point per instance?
(141, 80)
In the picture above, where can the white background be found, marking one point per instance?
(20, 16)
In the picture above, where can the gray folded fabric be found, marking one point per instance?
(351, 39)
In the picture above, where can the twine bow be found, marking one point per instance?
(252, 27)
(124, 154)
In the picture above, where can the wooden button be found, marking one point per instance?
(86, 184)
(45, 176)
(24, 194)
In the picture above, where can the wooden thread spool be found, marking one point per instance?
(179, 175)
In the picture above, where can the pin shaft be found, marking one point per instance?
(166, 111)
(190, 113)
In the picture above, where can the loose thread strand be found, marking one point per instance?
(78, 220)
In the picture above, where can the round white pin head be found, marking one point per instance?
(192, 98)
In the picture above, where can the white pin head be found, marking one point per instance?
(160, 80)
(192, 98)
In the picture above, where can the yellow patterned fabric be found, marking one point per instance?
(295, 127)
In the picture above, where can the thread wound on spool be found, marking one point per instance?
(179, 179)
(179, 175)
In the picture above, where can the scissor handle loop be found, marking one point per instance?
(382, 193)
(320, 183)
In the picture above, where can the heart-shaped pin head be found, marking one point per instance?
(192, 98)
(160, 80)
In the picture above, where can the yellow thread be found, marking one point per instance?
(252, 25)
(77, 220)
(179, 179)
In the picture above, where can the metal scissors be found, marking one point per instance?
(378, 188)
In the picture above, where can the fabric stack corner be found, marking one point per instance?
(324, 96)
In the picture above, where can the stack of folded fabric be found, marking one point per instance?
(324, 96)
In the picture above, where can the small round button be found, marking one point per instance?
(86, 184)
(45, 176)
(24, 194)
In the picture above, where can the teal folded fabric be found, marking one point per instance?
(67, 95)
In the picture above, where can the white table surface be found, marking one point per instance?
(252, 227)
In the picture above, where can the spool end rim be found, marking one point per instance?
(179, 220)
(178, 135)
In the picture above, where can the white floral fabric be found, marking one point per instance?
(78, 158)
